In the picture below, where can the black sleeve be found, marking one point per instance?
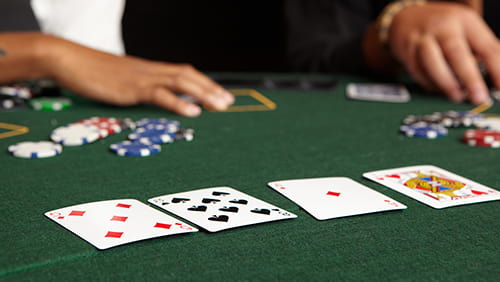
(326, 35)
(16, 15)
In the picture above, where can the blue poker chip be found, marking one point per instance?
(171, 125)
(157, 134)
(424, 130)
(134, 149)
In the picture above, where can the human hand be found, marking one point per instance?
(438, 44)
(125, 80)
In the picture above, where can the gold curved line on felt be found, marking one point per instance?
(267, 104)
(248, 108)
(481, 108)
(15, 130)
(263, 99)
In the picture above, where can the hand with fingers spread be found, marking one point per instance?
(440, 45)
(119, 80)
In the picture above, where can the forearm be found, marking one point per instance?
(25, 55)
(377, 58)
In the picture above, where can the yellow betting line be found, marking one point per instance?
(15, 130)
(267, 104)
(263, 99)
(481, 108)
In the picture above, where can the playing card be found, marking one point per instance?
(111, 223)
(333, 197)
(219, 208)
(381, 92)
(433, 186)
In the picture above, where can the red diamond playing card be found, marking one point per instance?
(111, 223)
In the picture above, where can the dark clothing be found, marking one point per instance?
(326, 35)
(17, 15)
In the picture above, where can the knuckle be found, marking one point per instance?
(453, 47)
(465, 13)
(490, 49)
(185, 68)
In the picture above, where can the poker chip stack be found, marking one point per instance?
(145, 140)
(486, 134)
(41, 95)
(148, 135)
(14, 97)
(482, 138)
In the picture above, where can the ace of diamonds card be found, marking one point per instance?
(333, 197)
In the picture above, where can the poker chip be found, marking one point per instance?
(481, 133)
(186, 134)
(16, 91)
(35, 150)
(107, 125)
(156, 134)
(135, 148)
(488, 122)
(482, 138)
(127, 123)
(170, 125)
(50, 104)
(424, 130)
(446, 119)
(75, 134)
(482, 143)
(10, 103)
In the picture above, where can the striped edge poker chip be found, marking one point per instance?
(424, 130)
(171, 125)
(16, 91)
(480, 143)
(9, 103)
(50, 104)
(35, 150)
(482, 138)
(134, 149)
(158, 134)
(492, 123)
(75, 134)
(127, 123)
(446, 119)
(186, 134)
(106, 125)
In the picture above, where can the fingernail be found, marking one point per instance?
(479, 95)
(224, 94)
(218, 102)
(192, 110)
(228, 96)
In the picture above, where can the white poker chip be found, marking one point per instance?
(75, 134)
(35, 150)
(16, 91)
(491, 123)
(8, 104)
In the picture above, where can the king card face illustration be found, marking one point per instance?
(434, 186)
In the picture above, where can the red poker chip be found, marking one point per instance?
(481, 133)
(106, 125)
(481, 143)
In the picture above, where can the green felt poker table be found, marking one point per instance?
(309, 134)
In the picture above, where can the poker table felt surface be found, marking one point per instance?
(309, 134)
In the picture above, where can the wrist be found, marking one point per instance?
(386, 18)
